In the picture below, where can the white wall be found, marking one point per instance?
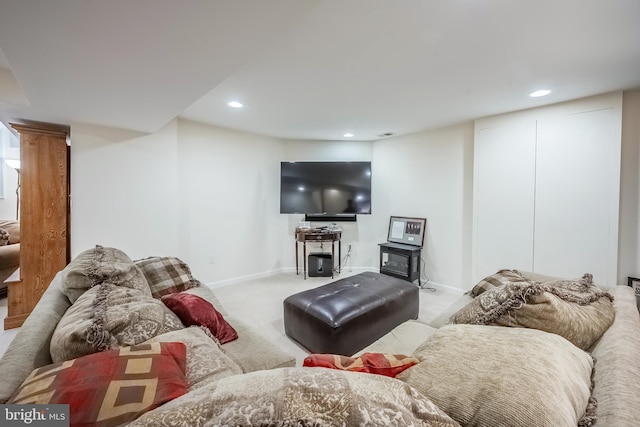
(429, 175)
(124, 190)
(9, 175)
(200, 192)
(547, 186)
(629, 241)
(229, 185)
(159, 194)
(357, 234)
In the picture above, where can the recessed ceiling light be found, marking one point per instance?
(235, 104)
(348, 135)
(539, 93)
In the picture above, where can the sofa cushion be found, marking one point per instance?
(166, 275)
(389, 365)
(206, 361)
(301, 397)
(110, 388)
(98, 265)
(504, 377)
(574, 309)
(106, 317)
(253, 351)
(500, 278)
(194, 310)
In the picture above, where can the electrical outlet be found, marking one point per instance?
(210, 259)
(349, 247)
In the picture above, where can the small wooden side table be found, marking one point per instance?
(304, 235)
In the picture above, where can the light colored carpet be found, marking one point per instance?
(259, 304)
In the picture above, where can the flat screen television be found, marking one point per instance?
(325, 188)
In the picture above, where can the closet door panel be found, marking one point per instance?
(504, 176)
(575, 207)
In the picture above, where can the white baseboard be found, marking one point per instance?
(432, 284)
(292, 270)
(240, 279)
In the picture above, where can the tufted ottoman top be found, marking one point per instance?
(345, 316)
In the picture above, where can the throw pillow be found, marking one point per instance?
(98, 265)
(194, 310)
(4, 237)
(206, 361)
(389, 365)
(166, 275)
(13, 228)
(110, 388)
(106, 317)
(301, 397)
(500, 278)
(574, 309)
(504, 377)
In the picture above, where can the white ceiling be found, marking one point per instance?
(307, 69)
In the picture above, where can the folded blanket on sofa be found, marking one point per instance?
(574, 309)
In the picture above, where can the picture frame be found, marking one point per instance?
(634, 282)
(407, 230)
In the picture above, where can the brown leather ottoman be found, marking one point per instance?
(347, 315)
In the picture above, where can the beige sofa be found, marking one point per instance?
(9, 251)
(616, 377)
(30, 347)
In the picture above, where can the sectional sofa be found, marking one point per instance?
(469, 373)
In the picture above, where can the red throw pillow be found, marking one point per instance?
(110, 388)
(389, 365)
(193, 310)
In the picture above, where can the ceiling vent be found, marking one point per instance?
(386, 134)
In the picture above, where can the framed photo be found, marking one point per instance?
(407, 230)
(634, 282)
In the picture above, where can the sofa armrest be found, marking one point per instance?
(10, 256)
(30, 348)
(617, 371)
(443, 318)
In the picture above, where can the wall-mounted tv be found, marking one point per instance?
(325, 188)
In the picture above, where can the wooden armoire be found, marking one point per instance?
(44, 217)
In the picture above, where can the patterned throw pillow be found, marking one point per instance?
(166, 275)
(13, 228)
(193, 310)
(106, 317)
(206, 361)
(502, 277)
(110, 388)
(4, 237)
(98, 265)
(300, 397)
(389, 365)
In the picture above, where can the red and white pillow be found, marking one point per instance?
(112, 387)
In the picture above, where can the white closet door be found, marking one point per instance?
(576, 196)
(504, 176)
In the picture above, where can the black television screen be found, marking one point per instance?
(329, 188)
